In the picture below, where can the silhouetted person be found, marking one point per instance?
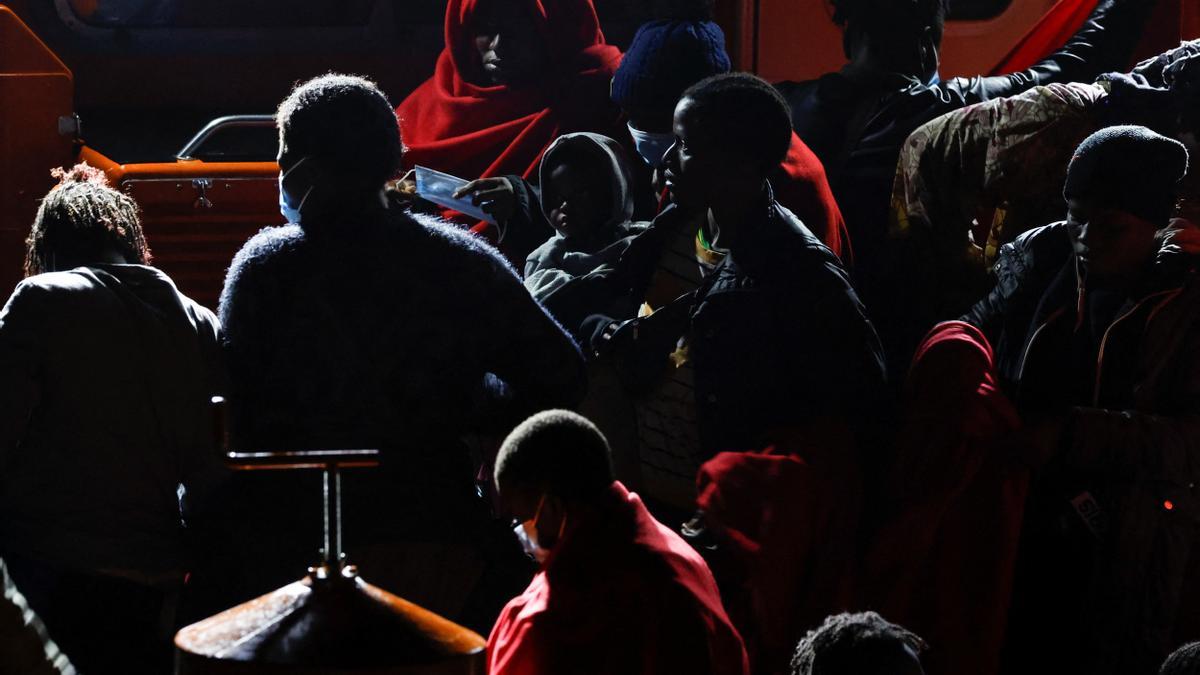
(618, 592)
(857, 119)
(360, 325)
(514, 75)
(974, 179)
(668, 56)
(1096, 324)
(105, 436)
(858, 644)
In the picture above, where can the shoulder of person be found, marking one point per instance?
(268, 244)
(459, 242)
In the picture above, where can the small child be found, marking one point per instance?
(586, 197)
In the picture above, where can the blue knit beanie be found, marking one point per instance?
(664, 59)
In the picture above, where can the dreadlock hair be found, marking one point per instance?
(854, 644)
(81, 218)
(347, 122)
(891, 24)
(743, 111)
(1183, 661)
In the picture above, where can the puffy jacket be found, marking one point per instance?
(1137, 445)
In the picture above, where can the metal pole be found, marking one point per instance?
(333, 517)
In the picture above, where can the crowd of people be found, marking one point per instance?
(875, 374)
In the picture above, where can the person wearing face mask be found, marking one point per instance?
(362, 325)
(665, 58)
(1096, 323)
(617, 592)
(514, 76)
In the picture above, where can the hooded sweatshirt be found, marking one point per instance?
(552, 270)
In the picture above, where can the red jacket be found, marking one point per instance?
(619, 594)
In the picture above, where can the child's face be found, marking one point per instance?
(577, 200)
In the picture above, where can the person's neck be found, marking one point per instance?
(347, 205)
(728, 216)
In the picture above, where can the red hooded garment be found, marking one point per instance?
(802, 187)
(620, 594)
(473, 130)
(785, 520)
(943, 566)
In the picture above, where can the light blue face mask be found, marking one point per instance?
(651, 146)
(286, 209)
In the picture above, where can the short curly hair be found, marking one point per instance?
(555, 452)
(743, 111)
(1183, 661)
(345, 121)
(862, 643)
(82, 217)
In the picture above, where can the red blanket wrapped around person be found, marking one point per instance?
(619, 594)
(943, 564)
(785, 523)
(460, 123)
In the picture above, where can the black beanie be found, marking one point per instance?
(1129, 168)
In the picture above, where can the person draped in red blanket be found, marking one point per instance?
(514, 76)
(618, 592)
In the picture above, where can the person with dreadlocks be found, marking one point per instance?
(856, 119)
(106, 371)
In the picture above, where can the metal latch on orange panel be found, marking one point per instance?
(202, 185)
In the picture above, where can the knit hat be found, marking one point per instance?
(1129, 168)
(664, 59)
(1184, 661)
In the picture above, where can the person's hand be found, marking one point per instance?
(496, 196)
(403, 190)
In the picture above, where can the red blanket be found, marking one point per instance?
(802, 188)
(470, 130)
(620, 594)
(943, 565)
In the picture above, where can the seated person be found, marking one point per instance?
(618, 592)
(857, 119)
(974, 179)
(586, 198)
(105, 439)
(668, 56)
(360, 325)
(731, 353)
(513, 77)
(863, 644)
(1096, 324)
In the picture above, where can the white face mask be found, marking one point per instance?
(651, 146)
(286, 209)
(526, 532)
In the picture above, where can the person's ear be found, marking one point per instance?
(927, 54)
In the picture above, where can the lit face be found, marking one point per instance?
(578, 202)
(507, 42)
(1109, 243)
(694, 165)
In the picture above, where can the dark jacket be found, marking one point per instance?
(779, 338)
(776, 333)
(105, 378)
(386, 330)
(856, 123)
(1134, 446)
